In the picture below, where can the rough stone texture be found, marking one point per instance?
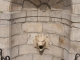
(76, 25)
(32, 27)
(14, 52)
(75, 34)
(75, 18)
(31, 37)
(27, 49)
(4, 7)
(4, 30)
(54, 37)
(32, 13)
(31, 19)
(16, 29)
(56, 14)
(18, 14)
(4, 43)
(43, 18)
(56, 20)
(42, 13)
(42, 57)
(71, 56)
(23, 57)
(19, 39)
(53, 28)
(20, 20)
(64, 42)
(76, 9)
(55, 51)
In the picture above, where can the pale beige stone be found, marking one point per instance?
(6, 16)
(71, 56)
(53, 28)
(55, 51)
(4, 30)
(75, 34)
(23, 57)
(31, 19)
(55, 14)
(5, 22)
(44, 13)
(19, 39)
(56, 19)
(27, 49)
(66, 54)
(54, 39)
(64, 42)
(4, 43)
(16, 29)
(43, 18)
(4, 5)
(14, 52)
(31, 37)
(32, 13)
(56, 58)
(42, 57)
(76, 9)
(18, 14)
(20, 20)
(32, 27)
(76, 25)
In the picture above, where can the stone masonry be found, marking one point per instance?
(22, 20)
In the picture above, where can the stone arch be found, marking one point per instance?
(17, 5)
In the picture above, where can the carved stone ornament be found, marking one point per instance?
(41, 42)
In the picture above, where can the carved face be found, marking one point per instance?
(41, 42)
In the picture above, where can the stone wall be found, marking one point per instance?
(19, 27)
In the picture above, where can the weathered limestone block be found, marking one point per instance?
(32, 27)
(66, 22)
(27, 49)
(53, 28)
(24, 57)
(42, 13)
(75, 34)
(54, 39)
(56, 14)
(29, 6)
(76, 8)
(19, 39)
(4, 30)
(71, 56)
(66, 14)
(76, 25)
(67, 30)
(5, 16)
(16, 7)
(4, 5)
(31, 37)
(16, 29)
(43, 18)
(14, 59)
(14, 52)
(64, 42)
(66, 55)
(5, 22)
(75, 18)
(20, 20)
(18, 14)
(32, 13)
(56, 19)
(4, 43)
(74, 47)
(17, 1)
(56, 58)
(41, 57)
(31, 19)
(55, 51)
(6, 52)
(75, 1)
